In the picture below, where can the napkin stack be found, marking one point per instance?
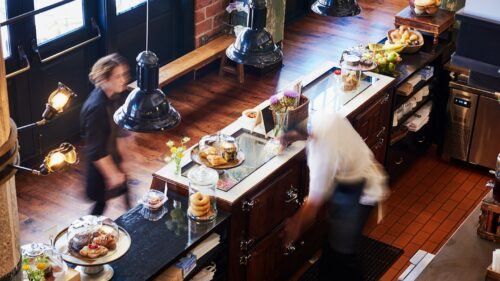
(420, 118)
(495, 264)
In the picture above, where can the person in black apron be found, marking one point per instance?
(105, 179)
(342, 178)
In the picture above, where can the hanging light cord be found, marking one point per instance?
(147, 26)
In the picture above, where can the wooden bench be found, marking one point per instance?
(193, 60)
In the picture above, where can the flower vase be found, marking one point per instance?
(275, 144)
(281, 122)
(178, 166)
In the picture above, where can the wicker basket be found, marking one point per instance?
(298, 114)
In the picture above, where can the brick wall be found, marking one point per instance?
(208, 18)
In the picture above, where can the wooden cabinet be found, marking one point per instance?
(372, 123)
(256, 250)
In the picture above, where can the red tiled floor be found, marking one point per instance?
(427, 204)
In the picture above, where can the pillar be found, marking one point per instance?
(9, 221)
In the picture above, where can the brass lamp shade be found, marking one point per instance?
(336, 8)
(58, 101)
(58, 158)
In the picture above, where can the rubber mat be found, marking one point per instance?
(376, 257)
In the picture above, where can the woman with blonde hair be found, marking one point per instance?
(105, 178)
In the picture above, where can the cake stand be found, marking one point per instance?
(93, 269)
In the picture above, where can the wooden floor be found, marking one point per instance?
(421, 200)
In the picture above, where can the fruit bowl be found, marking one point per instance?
(411, 38)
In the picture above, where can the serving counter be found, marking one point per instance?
(268, 189)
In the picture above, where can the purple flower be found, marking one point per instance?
(274, 100)
(291, 94)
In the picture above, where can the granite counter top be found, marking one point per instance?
(156, 245)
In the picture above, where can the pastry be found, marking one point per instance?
(93, 251)
(216, 160)
(199, 204)
(210, 150)
(79, 241)
(229, 151)
(106, 240)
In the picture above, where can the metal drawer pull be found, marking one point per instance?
(421, 140)
(292, 248)
(22, 56)
(245, 259)
(248, 205)
(381, 132)
(400, 161)
(379, 143)
(34, 45)
(292, 195)
(245, 244)
(385, 99)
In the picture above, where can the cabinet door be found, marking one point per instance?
(265, 260)
(372, 124)
(273, 203)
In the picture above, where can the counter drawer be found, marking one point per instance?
(274, 202)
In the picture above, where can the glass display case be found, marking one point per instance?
(253, 145)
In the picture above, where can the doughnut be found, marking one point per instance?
(199, 208)
(199, 200)
(197, 213)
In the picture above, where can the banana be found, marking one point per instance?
(396, 47)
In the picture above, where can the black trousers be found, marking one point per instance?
(346, 220)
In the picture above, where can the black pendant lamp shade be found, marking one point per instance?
(336, 8)
(254, 45)
(147, 108)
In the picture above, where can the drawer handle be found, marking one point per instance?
(385, 99)
(292, 248)
(379, 144)
(421, 140)
(248, 205)
(400, 161)
(245, 259)
(381, 132)
(245, 244)
(292, 195)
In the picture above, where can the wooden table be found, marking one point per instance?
(435, 25)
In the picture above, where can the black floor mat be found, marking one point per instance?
(377, 258)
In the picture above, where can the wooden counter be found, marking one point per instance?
(260, 203)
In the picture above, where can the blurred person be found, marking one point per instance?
(344, 177)
(105, 178)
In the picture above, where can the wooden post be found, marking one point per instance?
(9, 221)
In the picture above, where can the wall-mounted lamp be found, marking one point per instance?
(55, 160)
(58, 102)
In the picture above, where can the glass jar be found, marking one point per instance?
(42, 259)
(350, 79)
(202, 199)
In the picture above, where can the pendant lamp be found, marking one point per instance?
(336, 8)
(146, 108)
(254, 45)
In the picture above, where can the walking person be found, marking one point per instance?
(346, 178)
(105, 178)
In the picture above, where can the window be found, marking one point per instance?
(4, 30)
(123, 6)
(58, 21)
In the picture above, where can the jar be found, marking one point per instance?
(43, 260)
(350, 79)
(423, 8)
(202, 199)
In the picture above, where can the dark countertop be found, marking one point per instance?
(465, 256)
(411, 63)
(156, 245)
